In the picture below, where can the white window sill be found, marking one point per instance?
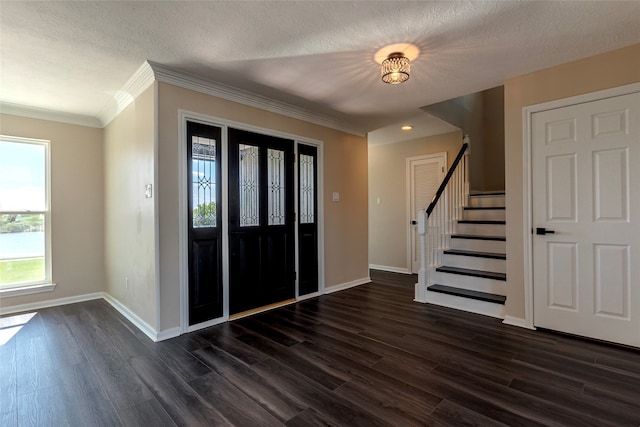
(26, 290)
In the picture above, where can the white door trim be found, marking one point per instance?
(527, 206)
(410, 215)
(183, 263)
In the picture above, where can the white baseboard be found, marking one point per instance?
(134, 318)
(122, 309)
(519, 322)
(50, 303)
(465, 304)
(347, 285)
(141, 324)
(389, 269)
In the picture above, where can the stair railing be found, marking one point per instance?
(436, 223)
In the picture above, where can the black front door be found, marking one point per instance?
(205, 225)
(261, 220)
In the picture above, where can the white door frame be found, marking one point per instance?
(527, 203)
(410, 215)
(183, 263)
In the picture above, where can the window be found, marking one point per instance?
(25, 256)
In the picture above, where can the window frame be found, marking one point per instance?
(45, 284)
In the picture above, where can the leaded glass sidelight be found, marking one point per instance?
(203, 166)
(249, 186)
(275, 173)
(307, 190)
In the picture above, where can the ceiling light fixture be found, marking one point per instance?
(406, 127)
(395, 69)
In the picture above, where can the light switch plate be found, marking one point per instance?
(148, 192)
(336, 197)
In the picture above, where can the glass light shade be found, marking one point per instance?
(395, 69)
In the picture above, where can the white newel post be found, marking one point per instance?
(421, 286)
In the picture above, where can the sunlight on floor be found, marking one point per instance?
(10, 325)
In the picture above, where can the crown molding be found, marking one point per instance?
(149, 72)
(46, 114)
(137, 83)
(208, 87)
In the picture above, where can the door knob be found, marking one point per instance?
(414, 222)
(542, 231)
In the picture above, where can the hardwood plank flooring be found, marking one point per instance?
(366, 356)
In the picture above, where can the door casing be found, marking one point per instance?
(527, 116)
(224, 124)
(411, 229)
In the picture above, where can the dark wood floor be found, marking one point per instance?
(367, 356)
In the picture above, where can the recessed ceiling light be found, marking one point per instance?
(406, 127)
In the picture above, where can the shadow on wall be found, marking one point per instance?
(481, 116)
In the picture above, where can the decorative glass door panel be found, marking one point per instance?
(276, 183)
(249, 186)
(203, 164)
(307, 184)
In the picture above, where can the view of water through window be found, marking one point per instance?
(22, 248)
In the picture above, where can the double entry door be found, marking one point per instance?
(259, 222)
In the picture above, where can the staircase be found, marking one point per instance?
(472, 276)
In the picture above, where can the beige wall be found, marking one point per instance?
(493, 139)
(481, 116)
(474, 127)
(129, 150)
(345, 171)
(76, 206)
(616, 68)
(387, 181)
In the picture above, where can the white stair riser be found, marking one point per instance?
(465, 304)
(475, 263)
(497, 246)
(485, 201)
(472, 283)
(484, 214)
(481, 229)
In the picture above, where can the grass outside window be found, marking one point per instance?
(21, 270)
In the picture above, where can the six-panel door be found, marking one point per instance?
(585, 162)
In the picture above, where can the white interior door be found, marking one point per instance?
(586, 189)
(425, 175)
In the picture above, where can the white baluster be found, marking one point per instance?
(435, 229)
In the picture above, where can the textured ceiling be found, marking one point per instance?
(73, 57)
